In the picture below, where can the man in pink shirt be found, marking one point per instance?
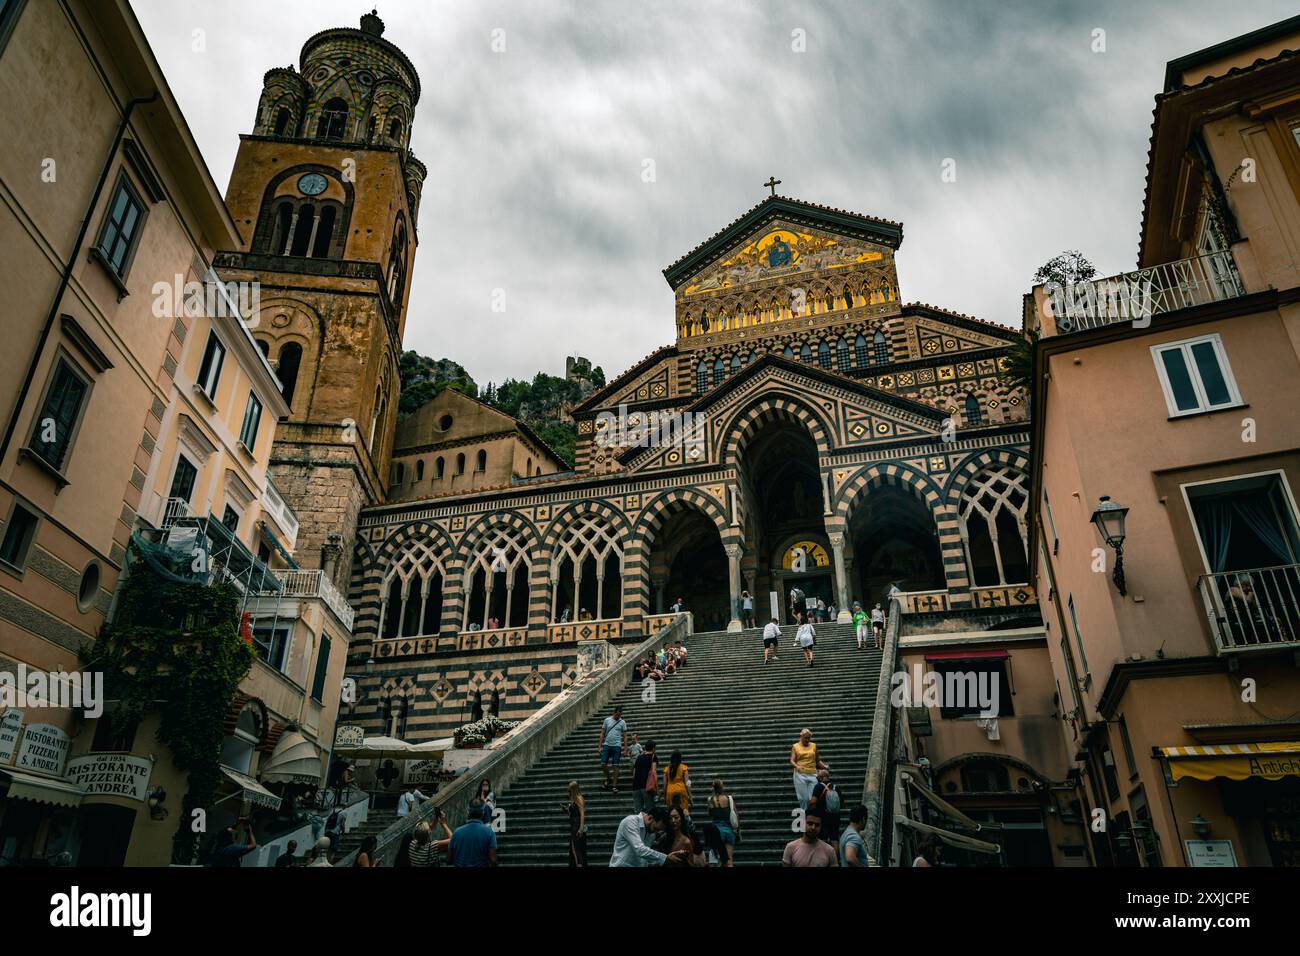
(810, 849)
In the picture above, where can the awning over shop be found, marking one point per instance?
(944, 807)
(952, 839)
(38, 789)
(390, 748)
(294, 760)
(274, 542)
(252, 791)
(1264, 761)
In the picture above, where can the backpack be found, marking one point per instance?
(832, 800)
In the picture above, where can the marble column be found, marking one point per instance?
(844, 615)
(733, 575)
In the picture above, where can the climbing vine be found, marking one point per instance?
(175, 649)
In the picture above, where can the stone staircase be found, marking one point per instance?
(731, 716)
(376, 822)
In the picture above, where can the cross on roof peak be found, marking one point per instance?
(772, 183)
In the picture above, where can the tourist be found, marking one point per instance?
(676, 842)
(830, 613)
(809, 849)
(679, 606)
(806, 762)
(488, 797)
(584, 614)
(408, 801)
(493, 624)
(747, 609)
(576, 808)
(715, 851)
(630, 846)
(288, 857)
(634, 748)
(677, 785)
(853, 848)
(610, 749)
(645, 779)
(473, 845)
(723, 816)
(821, 612)
(806, 637)
(321, 852)
(564, 618)
(771, 640)
(878, 625)
(229, 851)
(826, 799)
(860, 621)
(927, 854)
(798, 605)
(669, 661)
(365, 858)
(334, 830)
(680, 649)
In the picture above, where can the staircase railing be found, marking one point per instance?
(525, 745)
(877, 788)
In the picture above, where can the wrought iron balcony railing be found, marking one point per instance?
(1253, 610)
(1138, 296)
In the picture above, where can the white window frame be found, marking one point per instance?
(1185, 346)
(1287, 495)
(209, 388)
(249, 441)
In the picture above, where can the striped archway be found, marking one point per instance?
(553, 541)
(771, 407)
(636, 564)
(517, 527)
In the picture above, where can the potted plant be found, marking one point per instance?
(473, 741)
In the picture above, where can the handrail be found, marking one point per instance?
(523, 748)
(876, 786)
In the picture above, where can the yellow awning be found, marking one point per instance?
(1266, 761)
(29, 786)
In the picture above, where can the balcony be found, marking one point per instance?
(1253, 610)
(314, 584)
(1138, 296)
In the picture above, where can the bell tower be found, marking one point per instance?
(326, 194)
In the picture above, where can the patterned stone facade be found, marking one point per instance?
(805, 430)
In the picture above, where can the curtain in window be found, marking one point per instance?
(1259, 517)
(1214, 517)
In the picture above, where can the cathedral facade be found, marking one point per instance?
(806, 429)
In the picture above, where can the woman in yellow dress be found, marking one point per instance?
(806, 762)
(677, 785)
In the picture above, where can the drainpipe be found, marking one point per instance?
(67, 271)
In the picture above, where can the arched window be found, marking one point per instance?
(842, 354)
(304, 219)
(399, 474)
(419, 470)
(702, 376)
(397, 263)
(333, 121)
(753, 357)
(719, 371)
(824, 355)
(412, 594)
(282, 118)
(860, 352)
(379, 414)
(287, 369)
(371, 128)
(496, 581)
(440, 467)
(789, 352)
(587, 571)
(460, 464)
(323, 234)
(481, 461)
(395, 130)
(805, 353)
(881, 348)
(265, 346)
(735, 363)
(992, 514)
(973, 416)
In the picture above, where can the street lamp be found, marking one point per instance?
(1109, 519)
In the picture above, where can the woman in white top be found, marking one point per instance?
(806, 637)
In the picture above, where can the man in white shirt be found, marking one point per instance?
(630, 846)
(407, 801)
(771, 640)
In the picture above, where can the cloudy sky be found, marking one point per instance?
(536, 152)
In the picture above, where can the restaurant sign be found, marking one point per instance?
(112, 775)
(11, 727)
(44, 749)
